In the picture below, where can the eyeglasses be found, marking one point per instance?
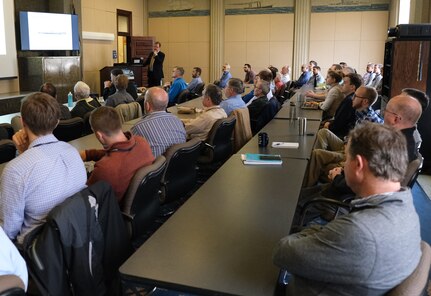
(356, 96)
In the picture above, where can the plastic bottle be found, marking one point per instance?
(70, 100)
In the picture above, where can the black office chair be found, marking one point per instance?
(69, 129)
(183, 96)
(266, 115)
(141, 203)
(197, 92)
(179, 177)
(219, 146)
(413, 170)
(87, 127)
(7, 150)
(6, 131)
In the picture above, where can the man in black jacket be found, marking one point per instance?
(155, 65)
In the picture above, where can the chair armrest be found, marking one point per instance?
(127, 217)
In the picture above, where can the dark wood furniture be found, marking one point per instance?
(407, 64)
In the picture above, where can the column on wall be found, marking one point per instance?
(216, 38)
(301, 35)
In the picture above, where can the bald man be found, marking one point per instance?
(403, 112)
(161, 129)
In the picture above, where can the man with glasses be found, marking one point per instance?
(329, 149)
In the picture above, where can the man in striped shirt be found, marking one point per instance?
(159, 128)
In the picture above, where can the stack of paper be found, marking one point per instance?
(285, 145)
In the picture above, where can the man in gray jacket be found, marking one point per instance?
(376, 246)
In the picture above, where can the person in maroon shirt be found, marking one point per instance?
(123, 153)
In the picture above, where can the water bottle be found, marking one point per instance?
(70, 100)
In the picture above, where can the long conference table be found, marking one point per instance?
(220, 241)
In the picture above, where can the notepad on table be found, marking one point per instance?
(261, 159)
(292, 145)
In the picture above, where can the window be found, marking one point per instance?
(124, 29)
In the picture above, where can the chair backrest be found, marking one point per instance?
(197, 92)
(266, 115)
(7, 150)
(180, 173)
(16, 123)
(69, 129)
(183, 96)
(141, 203)
(87, 126)
(129, 111)
(11, 285)
(242, 130)
(413, 170)
(220, 141)
(6, 131)
(415, 283)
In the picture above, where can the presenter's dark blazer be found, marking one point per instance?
(156, 75)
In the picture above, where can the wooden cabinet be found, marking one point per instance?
(407, 64)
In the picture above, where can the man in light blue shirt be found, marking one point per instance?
(233, 91)
(196, 75)
(224, 77)
(46, 172)
(178, 85)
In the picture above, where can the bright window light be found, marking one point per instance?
(404, 15)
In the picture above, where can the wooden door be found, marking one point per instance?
(410, 64)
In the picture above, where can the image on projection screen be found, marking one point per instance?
(43, 35)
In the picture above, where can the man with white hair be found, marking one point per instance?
(84, 103)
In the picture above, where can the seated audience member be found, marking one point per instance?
(334, 96)
(159, 128)
(316, 78)
(335, 68)
(46, 172)
(279, 85)
(50, 89)
(328, 148)
(264, 75)
(225, 76)
(196, 75)
(249, 74)
(233, 91)
(403, 113)
(348, 70)
(256, 106)
(11, 261)
(369, 74)
(121, 96)
(343, 64)
(122, 156)
(178, 85)
(359, 252)
(84, 103)
(109, 88)
(285, 74)
(303, 78)
(274, 72)
(344, 118)
(377, 76)
(201, 126)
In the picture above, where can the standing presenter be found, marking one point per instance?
(155, 65)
